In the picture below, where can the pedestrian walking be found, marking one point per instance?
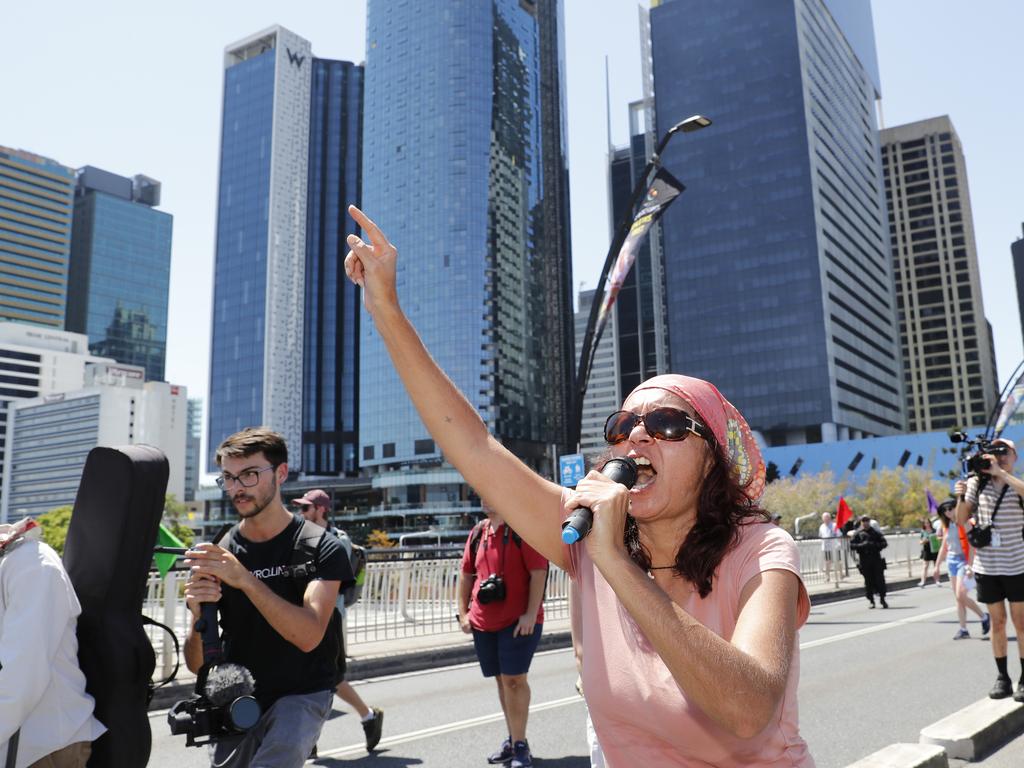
(959, 559)
(868, 543)
(315, 506)
(930, 544)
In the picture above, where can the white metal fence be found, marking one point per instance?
(409, 598)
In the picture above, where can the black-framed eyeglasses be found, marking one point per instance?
(246, 478)
(661, 423)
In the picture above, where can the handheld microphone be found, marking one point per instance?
(623, 471)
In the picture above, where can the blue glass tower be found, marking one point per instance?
(332, 305)
(778, 280)
(466, 172)
(258, 291)
(119, 274)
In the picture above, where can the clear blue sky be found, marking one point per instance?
(135, 88)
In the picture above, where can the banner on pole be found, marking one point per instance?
(1013, 401)
(664, 188)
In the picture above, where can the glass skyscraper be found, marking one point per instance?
(257, 346)
(35, 237)
(464, 168)
(119, 276)
(332, 303)
(778, 278)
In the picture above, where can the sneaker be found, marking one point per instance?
(1019, 695)
(962, 634)
(373, 728)
(1001, 689)
(986, 624)
(522, 757)
(503, 755)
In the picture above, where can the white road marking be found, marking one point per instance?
(877, 628)
(438, 730)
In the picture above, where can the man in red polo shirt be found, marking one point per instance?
(501, 591)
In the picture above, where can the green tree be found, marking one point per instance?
(799, 497)
(896, 497)
(379, 539)
(55, 527)
(175, 519)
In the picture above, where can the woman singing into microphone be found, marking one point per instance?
(691, 599)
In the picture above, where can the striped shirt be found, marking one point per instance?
(1006, 559)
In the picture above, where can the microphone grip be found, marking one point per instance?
(206, 624)
(577, 525)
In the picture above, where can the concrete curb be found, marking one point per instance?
(977, 729)
(905, 756)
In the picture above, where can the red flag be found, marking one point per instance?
(843, 513)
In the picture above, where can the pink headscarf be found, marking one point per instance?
(728, 425)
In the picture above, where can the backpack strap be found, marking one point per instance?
(307, 544)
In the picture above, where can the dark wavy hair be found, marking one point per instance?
(722, 508)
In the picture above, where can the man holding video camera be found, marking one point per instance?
(501, 591)
(275, 611)
(992, 496)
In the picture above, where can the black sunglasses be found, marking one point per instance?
(660, 423)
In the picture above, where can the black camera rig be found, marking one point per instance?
(973, 451)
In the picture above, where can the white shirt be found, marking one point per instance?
(42, 688)
(827, 533)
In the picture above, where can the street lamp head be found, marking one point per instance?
(691, 124)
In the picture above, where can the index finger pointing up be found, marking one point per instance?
(377, 237)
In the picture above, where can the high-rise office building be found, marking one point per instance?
(948, 366)
(119, 276)
(258, 291)
(35, 237)
(640, 308)
(332, 303)
(467, 151)
(38, 362)
(1017, 252)
(777, 271)
(50, 437)
(604, 394)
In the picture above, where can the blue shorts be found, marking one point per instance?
(955, 564)
(500, 653)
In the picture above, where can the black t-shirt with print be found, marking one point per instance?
(278, 666)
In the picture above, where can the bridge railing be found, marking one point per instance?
(418, 597)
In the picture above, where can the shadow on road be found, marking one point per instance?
(378, 759)
(571, 761)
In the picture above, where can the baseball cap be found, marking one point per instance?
(316, 497)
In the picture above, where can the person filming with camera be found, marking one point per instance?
(501, 593)
(992, 496)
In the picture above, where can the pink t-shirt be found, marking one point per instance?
(641, 715)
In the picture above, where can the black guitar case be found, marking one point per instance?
(108, 553)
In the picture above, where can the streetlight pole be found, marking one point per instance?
(592, 335)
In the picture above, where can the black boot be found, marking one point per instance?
(884, 604)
